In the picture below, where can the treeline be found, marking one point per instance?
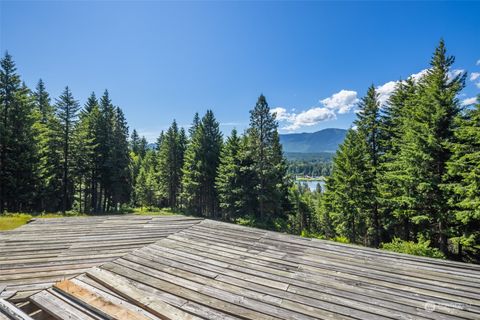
(310, 168)
(243, 177)
(410, 169)
(406, 177)
(58, 156)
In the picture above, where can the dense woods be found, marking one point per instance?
(409, 169)
(407, 174)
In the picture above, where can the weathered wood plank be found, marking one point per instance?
(12, 311)
(123, 287)
(96, 302)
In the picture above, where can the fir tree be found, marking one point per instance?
(67, 111)
(463, 179)
(268, 162)
(105, 152)
(146, 186)
(171, 155)
(229, 181)
(42, 101)
(121, 178)
(135, 142)
(345, 193)
(423, 154)
(368, 126)
(202, 158)
(48, 140)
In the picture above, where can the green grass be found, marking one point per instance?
(12, 221)
(154, 212)
(9, 221)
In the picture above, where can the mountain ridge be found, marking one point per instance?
(326, 140)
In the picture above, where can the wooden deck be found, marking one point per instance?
(44, 251)
(214, 270)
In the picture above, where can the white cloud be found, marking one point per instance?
(310, 117)
(478, 62)
(342, 101)
(469, 101)
(474, 76)
(282, 114)
(478, 84)
(385, 91)
(419, 75)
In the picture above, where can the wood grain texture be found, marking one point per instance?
(213, 270)
(44, 251)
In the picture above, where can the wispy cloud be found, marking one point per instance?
(478, 62)
(474, 76)
(469, 101)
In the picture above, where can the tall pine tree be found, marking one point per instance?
(463, 180)
(421, 161)
(202, 158)
(67, 111)
(268, 162)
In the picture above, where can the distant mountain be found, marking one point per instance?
(326, 140)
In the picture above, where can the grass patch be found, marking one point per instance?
(9, 221)
(12, 221)
(155, 212)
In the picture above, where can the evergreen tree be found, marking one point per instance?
(121, 179)
(86, 163)
(146, 186)
(229, 179)
(423, 154)
(202, 158)
(42, 101)
(105, 152)
(67, 111)
(463, 179)
(9, 86)
(171, 156)
(159, 141)
(368, 124)
(135, 142)
(346, 197)
(268, 162)
(48, 140)
(392, 182)
(18, 154)
(195, 124)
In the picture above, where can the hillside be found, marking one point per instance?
(326, 140)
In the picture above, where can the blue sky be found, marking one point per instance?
(166, 60)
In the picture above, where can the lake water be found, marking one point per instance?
(312, 184)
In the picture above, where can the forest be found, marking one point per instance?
(406, 178)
